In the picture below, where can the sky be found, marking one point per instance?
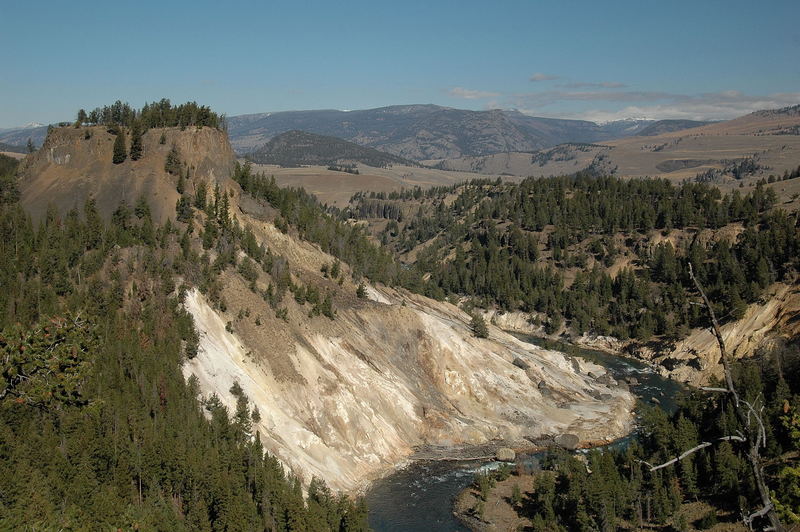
(590, 60)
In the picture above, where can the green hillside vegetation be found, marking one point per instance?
(509, 245)
(298, 148)
(8, 181)
(326, 227)
(99, 428)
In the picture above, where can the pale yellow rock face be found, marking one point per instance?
(695, 360)
(387, 377)
(762, 324)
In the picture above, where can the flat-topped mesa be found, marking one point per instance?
(77, 163)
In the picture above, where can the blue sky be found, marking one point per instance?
(594, 60)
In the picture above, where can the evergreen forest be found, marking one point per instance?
(509, 246)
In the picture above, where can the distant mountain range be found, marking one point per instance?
(297, 148)
(17, 137)
(420, 132)
(426, 132)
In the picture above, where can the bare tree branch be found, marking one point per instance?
(702, 445)
(748, 520)
(755, 435)
(710, 389)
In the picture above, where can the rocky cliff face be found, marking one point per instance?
(695, 359)
(360, 393)
(74, 164)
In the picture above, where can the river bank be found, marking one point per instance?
(509, 498)
(421, 496)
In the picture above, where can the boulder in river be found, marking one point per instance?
(567, 441)
(504, 454)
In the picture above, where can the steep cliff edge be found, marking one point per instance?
(696, 358)
(349, 400)
(76, 163)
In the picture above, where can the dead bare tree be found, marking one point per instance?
(750, 417)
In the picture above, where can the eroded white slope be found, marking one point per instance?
(387, 377)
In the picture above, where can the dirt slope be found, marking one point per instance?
(336, 188)
(770, 138)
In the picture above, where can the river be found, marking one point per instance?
(420, 497)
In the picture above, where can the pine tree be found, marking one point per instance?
(223, 208)
(142, 207)
(183, 209)
(136, 142)
(120, 153)
(478, 326)
(200, 196)
(172, 165)
(361, 291)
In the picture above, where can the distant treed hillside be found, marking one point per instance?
(296, 148)
(667, 126)
(581, 249)
(12, 148)
(19, 136)
(423, 132)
